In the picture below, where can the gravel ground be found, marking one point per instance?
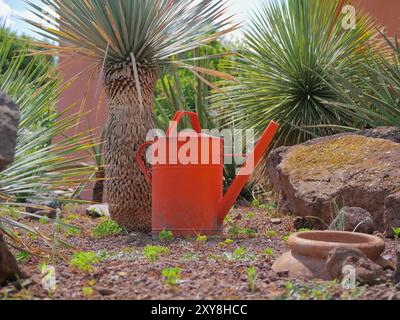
(209, 270)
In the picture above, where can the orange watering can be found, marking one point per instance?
(187, 179)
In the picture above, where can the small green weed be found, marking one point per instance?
(227, 242)
(72, 232)
(172, 276)
(396, 232)
(250, 215)
(237, 231)
(271, 233)
(202, 239)
(239, 253)
(44, 220)
(152, 253)
(269, 252)
(87, 292)
(84, 261)
(106, 228)
(23, 257)
(252, 278)
(166, 235)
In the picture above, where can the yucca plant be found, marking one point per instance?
(380, 90)
(128, 41)
(289, 48)
(41, 164)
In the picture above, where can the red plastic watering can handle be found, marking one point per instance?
(139, 159)
(178, 117)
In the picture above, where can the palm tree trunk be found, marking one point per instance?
(129, 194)
(98, 189)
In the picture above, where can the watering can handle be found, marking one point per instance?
(139, 159)
(173, 128)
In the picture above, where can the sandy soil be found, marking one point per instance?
(209, 270)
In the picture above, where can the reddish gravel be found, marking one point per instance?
(208, 270)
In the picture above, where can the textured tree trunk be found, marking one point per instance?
(98, 189)
(128, 192)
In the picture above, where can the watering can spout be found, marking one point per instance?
(243, 176)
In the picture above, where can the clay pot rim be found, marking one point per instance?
(372, 246)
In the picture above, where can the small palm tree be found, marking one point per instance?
(129, 40)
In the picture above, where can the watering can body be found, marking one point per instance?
(187, 180)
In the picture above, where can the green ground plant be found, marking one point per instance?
(87, 292)
(227, 242)
(166, 235)
(239, 253)
(271, 233)
(238, 231)
(201, 239)
(252, 278)
(317, 291)
(23, 257)
(84, 261)
(72, 232)
(250, 215)
(153, 253)
(106, 228)
(269, 252)
(172, 276)
(396, 232)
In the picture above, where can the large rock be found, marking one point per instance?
(350, 169)
(8, 265)
(392, 213)
(366, 271)
(396, 276)
(9, 118)
(353, 220)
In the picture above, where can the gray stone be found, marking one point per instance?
(392, 213)
(43, 207)
(353, 219)
(104, 291)
(9, 119)
(98, 211)
(276, 221)
(367, 272)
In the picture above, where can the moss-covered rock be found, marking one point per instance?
(317, 178)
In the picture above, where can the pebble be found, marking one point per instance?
(104, 291)
(276, 221)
